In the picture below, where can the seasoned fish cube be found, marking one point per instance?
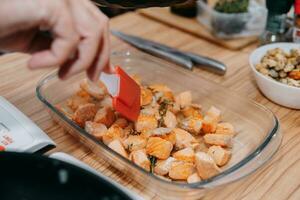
(170, 120)
(95, 129)
(184, 99)
(218, 139)
(84, 113)
(221, 156)
(145, 123)
(113, 133)
(159, 147)
(105, 116)
(181, 170)
(183, 138)
(135, 142)
(186, 154)
(140, 158)
(225, 128)
(96, 90)
(146, 96)
(163, 167)
(192, 125)
(194, 178)
(206, 166)
(116, 145)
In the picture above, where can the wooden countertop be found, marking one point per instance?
(278, 180)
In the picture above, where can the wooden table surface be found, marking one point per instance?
(278, 180)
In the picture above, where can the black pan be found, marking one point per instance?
(35, 177)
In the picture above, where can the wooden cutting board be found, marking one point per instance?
(192, 26)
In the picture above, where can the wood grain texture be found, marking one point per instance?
(278, 180)
(192, 26)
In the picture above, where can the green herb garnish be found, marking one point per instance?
(152, 163)
(163, 108)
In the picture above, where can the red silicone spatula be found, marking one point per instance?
(125, 93)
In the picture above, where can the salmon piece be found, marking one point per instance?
(134, 142)
(161, 131)
(113, 133)
(181, 170)
(183, 138)
(206, 166)
(96, 90)
(174, 108)
(201, 146)
(209, 125)
(184, 99)
(192, 125)
(214, 113)
(84, 113)
(150, 111)
(167, 96)
(194, 178)
(105, 116)
(170, 120)
(218, 139)
(139, 157)
(116, 145)
(159, 147)
(191, 111)
(221, 156)
(145, 123)
(162, 92)
(163, 167)
(75, 101)
(106, 102)
(95, 129)
(146, 96)
(122, 122)
(171, 137)
(186, 154)
(225, 128)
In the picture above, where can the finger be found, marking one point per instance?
(103, 57)
(65, 68)
(93, 72)
(90, 32)
(65, 39)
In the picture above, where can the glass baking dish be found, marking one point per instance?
(257, 140)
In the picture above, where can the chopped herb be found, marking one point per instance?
(133, 132)
(163, 108)
(152, 163)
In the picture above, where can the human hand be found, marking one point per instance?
(80, 37)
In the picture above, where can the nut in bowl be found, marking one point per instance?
(279, 85)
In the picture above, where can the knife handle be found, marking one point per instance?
(207, 63)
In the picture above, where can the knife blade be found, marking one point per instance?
(196, 60)
(140, 44)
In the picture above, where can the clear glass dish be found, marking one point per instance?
(257, 140)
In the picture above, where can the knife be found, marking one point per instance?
(185, 59)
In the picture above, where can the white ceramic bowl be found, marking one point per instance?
(280, 93)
